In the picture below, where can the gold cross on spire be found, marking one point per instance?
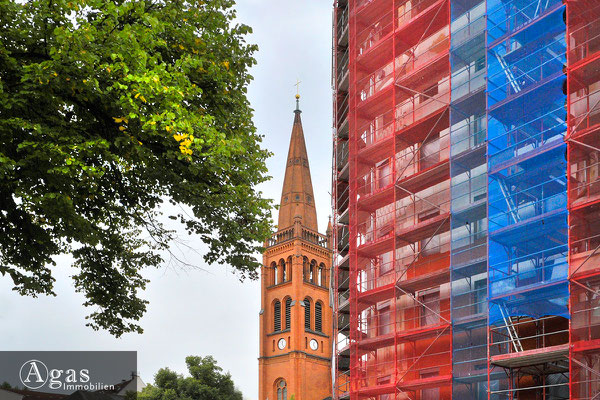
(297, 95)
(297, 84)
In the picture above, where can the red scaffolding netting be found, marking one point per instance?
(583, 141)
(397, 151)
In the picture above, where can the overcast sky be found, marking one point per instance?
(199, 312)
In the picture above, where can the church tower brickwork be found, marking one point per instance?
(296, 315)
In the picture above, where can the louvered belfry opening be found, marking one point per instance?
(277, 316)
(318, 317)
(307, 313)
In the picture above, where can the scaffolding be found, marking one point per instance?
(395, 306)
(583, 142)
(467, 197)
(528, 338)
(340, 199)
(468, 171)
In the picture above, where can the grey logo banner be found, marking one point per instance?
(65, 372)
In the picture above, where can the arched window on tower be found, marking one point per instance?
(275, 270)
(323, 275)
(313, 271)
(307, 313)
(277, 316)
(318, 317)
(281, 390)
(288, 313)
(318, 278)
(289, 268)
(305, 269)
(320, 275)
(283, 271)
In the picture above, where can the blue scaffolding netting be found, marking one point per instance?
(468, 171)
(527, 187)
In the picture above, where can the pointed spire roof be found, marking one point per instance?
(297, 198)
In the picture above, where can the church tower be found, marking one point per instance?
(296, 314)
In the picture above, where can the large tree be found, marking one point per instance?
(107, 110)
(206, 382)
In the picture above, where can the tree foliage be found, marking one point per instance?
(107, 110)
(206, 382)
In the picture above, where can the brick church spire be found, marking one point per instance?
(297, 197)
(296, 315)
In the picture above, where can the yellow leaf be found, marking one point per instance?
(185, 150)
(168, 128)
(143, 98)
(122, 128)
(177, 137)
(118, 120)
(137, 95)
(226, 64)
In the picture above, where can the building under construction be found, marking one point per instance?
(466, 197)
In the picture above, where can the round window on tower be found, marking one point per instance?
(297, 197)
